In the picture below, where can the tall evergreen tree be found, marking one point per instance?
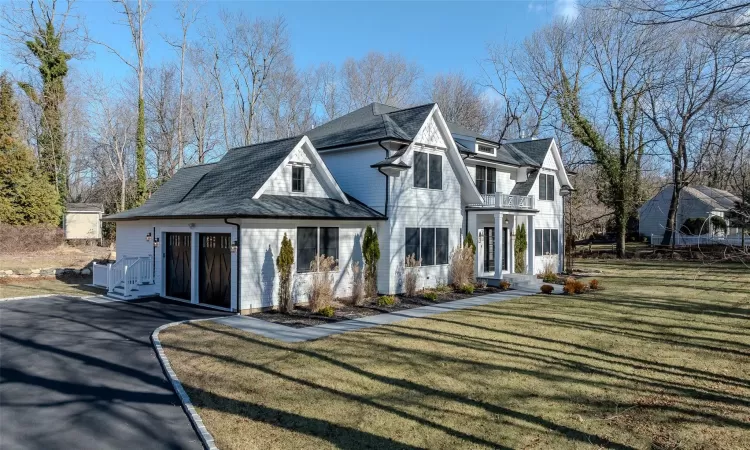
(53, 68)
(8, 109)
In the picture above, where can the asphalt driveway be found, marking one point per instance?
(79, 374)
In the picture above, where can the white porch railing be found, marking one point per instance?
(128, 272)
(498, 200)
(682, 240)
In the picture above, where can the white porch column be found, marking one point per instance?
(498, 245)
(512, 244)
(530, 240)
(472, 228)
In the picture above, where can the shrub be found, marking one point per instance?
(570, 286)
(358, 286)
(386, 300)
(462, 265)
(30, 238)
(411, 275)
(371, 254)
(328, 311)
(520, 249)
(467, 288)
(284, 263)
(505, 285)
(431, 296)
(549, 269)
(579, 287)
(442, 288)
(469, 242)
(594, 284)
(481, 284)
(320, 291)
(547, 289)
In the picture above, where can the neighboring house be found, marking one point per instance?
(83, 221)
(405, 172)
(695, 202)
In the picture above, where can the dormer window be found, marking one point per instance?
(486, 149)
(298, 179)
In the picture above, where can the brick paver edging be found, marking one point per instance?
(187, 405)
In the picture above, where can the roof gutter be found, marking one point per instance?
(239, 256)
(370, 141)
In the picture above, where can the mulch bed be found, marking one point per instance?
(302, 317)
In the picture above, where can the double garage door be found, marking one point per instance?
(214, 267)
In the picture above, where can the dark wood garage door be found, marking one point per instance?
(178, 265)
(215, 269)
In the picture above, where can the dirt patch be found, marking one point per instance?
(59, 257)
(303, 317)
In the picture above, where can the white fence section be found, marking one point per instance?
(498, 200)
(126, 274)
(682, 240)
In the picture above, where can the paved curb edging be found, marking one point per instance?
(187, 405)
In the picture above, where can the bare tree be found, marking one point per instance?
(725, 14)
(204, 105)
(161, 98)
(389, 79)
(460, 100)
(329, 91)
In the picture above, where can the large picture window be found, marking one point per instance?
(428, 245)
(546, 242)
(314, 241)
(546, 187)
(428, 171)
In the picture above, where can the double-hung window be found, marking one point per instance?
(546, 242)
(546, 187)
(428, 170)
(428, 245)
(298, 179)
(314, 241)
(486, 180)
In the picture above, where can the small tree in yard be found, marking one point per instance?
(520, 249)
(284, 263)
(371, 254)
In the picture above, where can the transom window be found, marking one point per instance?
(428, 245)
(546, 242)
(486, 149)
(314, 241)
(546, 187)
(486, 181)
(428, 170)
(298, 179)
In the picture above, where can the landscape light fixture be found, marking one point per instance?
(148, 237)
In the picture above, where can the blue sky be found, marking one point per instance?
(440, 36)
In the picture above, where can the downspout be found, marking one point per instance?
(387, 178)
(153, 256)
(239, 266)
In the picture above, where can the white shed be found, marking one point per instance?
(83, 221)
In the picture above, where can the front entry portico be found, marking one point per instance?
(494, 233)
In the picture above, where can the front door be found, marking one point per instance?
(178, 265)
(215, 269)
(489, 249)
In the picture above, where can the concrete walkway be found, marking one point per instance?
(289, 334)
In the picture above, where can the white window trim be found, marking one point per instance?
(420, 227)
(481, 152)
(338, 268)
(442, 181)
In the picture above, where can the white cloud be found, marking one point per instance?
(567, 9)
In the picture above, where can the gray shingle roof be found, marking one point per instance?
(370, 123)
(534, 149)
(84, 207)
(524, 188)
(226, 188)
(715, 198)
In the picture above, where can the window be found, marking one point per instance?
(486, 149)
(486, 181)
(481, 181)
(298, 179)
(546, 241)
(546, 187)
(428, 245)
(428, 170)
(310, 239)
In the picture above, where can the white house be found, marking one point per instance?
(83, 221)
(212, 233)
(695, 202)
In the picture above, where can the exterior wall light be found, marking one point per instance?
(156, 242)
(148, 237)
(234, 247)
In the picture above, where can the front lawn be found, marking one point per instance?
(660, 359)
(27, 287)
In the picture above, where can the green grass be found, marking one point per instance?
(659, 359)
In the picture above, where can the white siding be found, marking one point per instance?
(430, 135)
(415, 207)
(550, 213)
(83, 225)
(352, 171)
(653, 213)
(280, 183)
(261, 239)
(505, 177)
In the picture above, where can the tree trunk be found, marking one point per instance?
(670, 230)
(621, 227)
(140, 145)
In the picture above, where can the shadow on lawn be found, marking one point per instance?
(569, 432)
